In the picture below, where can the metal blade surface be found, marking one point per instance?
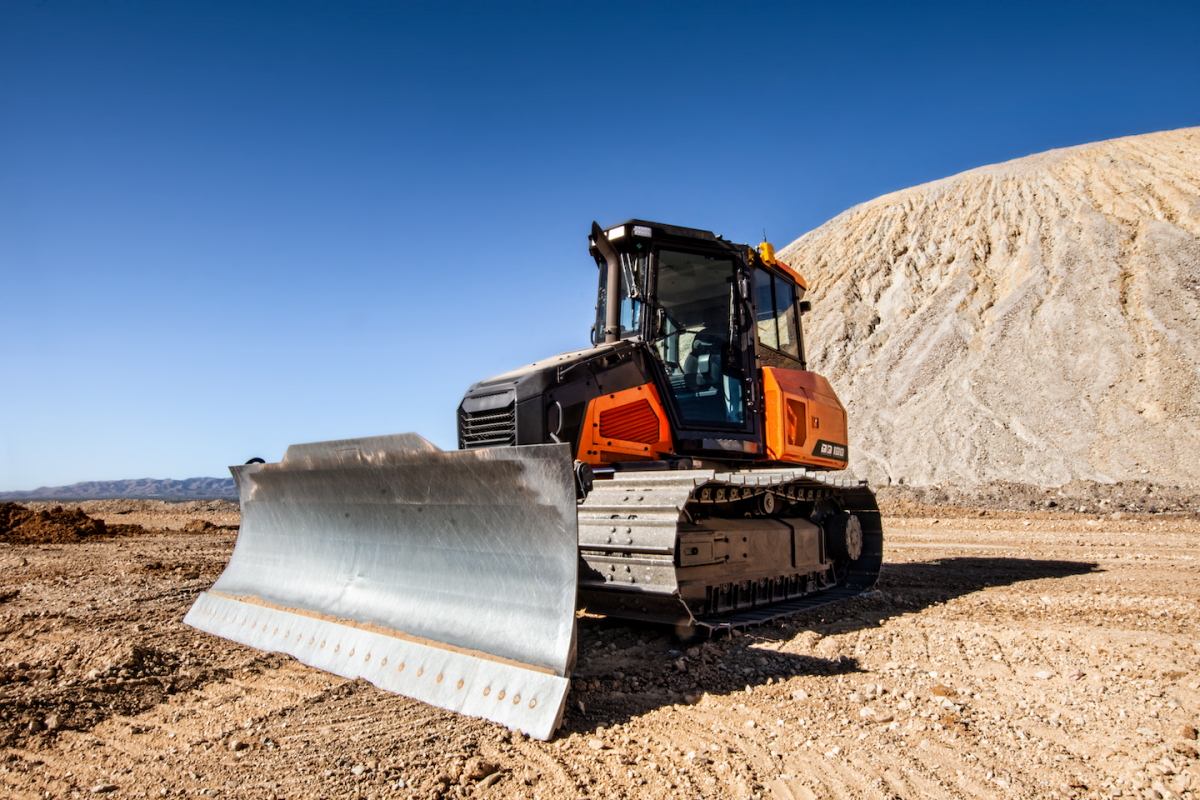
(472, 553)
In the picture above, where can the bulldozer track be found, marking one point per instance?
(630, 528)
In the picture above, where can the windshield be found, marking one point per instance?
(694, 294)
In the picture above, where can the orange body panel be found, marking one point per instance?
(629, 425)
(805, 421)
(796, 276)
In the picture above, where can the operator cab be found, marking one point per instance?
(691, 295)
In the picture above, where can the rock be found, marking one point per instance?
(680, 665)
(104, 788)
(799, 694)
(1044, 675)
(1185, 732)
(491, 780)
(1074, 676)
(357, 769)
(52, 722)
(34, 726)
(237, 744)
(749, 724)
(596, 744)
(477, 769)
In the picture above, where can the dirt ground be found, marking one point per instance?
(1009, 655)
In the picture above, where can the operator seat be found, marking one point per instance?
(702, 366)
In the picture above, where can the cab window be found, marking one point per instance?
(692, 339)
(776, 302)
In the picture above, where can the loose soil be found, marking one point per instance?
(20, 525)
(1010, 655)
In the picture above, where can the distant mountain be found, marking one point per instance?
(142, 488)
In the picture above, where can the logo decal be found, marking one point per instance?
(837, 452)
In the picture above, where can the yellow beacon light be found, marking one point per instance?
(767, 253)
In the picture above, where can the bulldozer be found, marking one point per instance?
(682, 470)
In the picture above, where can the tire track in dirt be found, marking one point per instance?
(921, 655)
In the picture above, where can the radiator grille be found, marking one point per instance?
(488, 428)
(632, 422)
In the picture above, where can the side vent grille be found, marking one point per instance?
(632, 422)
(488, 420)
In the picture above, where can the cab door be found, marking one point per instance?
(700, 337)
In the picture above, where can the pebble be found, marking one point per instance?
(357, 769)
(103, 788)
(477, 769)
(1044, 675)
(1186, 732)
(596, 744)
(237, 744)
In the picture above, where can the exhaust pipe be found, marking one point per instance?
(612, 294)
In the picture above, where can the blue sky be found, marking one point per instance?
(230, 226)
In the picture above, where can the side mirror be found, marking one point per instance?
(805, 306)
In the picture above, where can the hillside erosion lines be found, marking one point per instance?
(1036, 321)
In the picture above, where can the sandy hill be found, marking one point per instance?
(1035, 321)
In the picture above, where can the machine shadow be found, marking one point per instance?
(627, 669)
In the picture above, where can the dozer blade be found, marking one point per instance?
(448, 577)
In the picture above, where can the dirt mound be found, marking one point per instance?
(154, 514)
(1083, 497)
(1036, 322)
(20, 525)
